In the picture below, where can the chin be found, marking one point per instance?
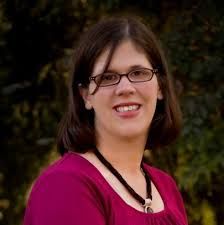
(132, 133)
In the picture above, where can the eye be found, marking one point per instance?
(108, 77)
(139, 73)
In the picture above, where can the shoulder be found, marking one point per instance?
(160, 175)
(63, 192)
(164, 181)
(69, 168)
(70, 162)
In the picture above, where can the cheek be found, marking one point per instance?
(149, 91)
(102, 110)
(149, 96)
(101, 101)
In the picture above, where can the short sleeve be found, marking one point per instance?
(61, 198)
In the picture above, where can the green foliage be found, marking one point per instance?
(36, 40)
(197, 64)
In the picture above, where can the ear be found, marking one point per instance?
(84, 92)
(159, 94)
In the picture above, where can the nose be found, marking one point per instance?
(125, 87)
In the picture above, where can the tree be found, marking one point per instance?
(36, 41)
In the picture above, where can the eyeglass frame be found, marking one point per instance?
(93, 78)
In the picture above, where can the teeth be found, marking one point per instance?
(127, 108)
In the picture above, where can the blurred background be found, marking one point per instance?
(36, 42)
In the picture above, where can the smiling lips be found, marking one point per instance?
(127, 110)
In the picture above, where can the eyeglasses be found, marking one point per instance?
(135, 76)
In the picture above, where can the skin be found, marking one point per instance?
(122, 135)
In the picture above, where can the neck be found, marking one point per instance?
(124, 155)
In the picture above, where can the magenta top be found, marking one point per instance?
(72, 191)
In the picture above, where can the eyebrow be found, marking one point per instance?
(129, 69)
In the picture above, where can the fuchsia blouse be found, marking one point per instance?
(72, 191)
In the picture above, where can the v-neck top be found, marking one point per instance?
(72, 191)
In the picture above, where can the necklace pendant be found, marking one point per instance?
(147, 206)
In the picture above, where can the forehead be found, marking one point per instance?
(125, 55)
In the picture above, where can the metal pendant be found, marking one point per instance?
(148, 209)
(147, 206)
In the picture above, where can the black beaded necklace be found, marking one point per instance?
(146, 203)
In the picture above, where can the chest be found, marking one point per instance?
(137, 183)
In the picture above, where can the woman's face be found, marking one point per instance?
(124, 110)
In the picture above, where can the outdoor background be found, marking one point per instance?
(36, 41)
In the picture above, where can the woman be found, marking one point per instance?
(121, 102)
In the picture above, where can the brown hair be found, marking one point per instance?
(76, 130)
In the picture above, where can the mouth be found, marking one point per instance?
(127, 108)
